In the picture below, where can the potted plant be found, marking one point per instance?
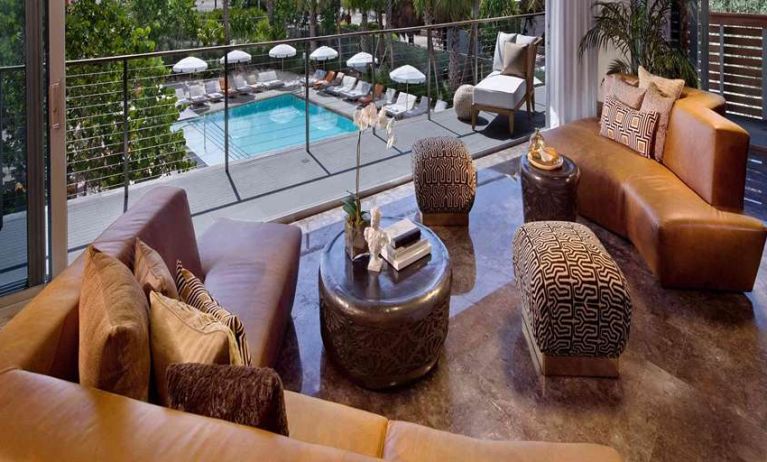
(358, 219)
(637, 28)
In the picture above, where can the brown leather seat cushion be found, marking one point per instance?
(63, 421)
(322, 422)
(407, 442)
(251, 269)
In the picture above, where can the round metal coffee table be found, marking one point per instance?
(549, 194)
(384, 329)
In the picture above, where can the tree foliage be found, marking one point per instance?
(95, 115)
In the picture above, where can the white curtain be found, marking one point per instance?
(571, 81)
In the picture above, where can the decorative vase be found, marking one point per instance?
(354, 238)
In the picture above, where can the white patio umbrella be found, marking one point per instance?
(282, 51)
(237, 57)
(360, 61)
(323, 53)
(190, 64)
(407, 74)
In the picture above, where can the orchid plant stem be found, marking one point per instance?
(357, 179)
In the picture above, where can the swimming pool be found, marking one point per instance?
(261, 127)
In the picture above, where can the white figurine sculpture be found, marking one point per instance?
(376, 239)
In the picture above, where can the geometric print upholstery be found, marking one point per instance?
(444, 175)
(628, 126)
(574, 295)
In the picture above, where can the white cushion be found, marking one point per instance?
(501, 91)
(524, 39)
(503, 37)
(267, 76)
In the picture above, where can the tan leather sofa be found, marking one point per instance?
(251, 268)
(683, 215)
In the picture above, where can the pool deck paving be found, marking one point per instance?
(279, 187)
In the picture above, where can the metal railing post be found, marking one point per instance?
(226, 112)
(429, 48)
(126, 129)
(306, 93)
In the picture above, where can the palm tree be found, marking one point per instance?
(638, 30)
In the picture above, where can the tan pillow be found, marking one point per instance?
(668, 87)
(629, 126)
(183, 334)
(114, 329)
(193, 292)
(514, 59)
(655, 101)
(152, 272)
(628, 94)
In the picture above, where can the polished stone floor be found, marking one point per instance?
(694, 375)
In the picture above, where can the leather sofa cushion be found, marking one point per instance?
(50, 419)
(183, 334)
(251, 269)
(321, 422)
(114, 328)
(408, 442)
(151, 271)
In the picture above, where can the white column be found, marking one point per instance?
(571, 81)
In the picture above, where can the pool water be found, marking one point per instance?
(261, 127)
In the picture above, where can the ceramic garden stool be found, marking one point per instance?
(576, 305)
(445, 181)
(463, 98)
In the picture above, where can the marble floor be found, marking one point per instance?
(694, 375)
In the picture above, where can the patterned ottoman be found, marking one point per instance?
(445, 181)
(575, 300)
(463, 98)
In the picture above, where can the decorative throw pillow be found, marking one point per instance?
(628, 126)
(499, 44)
(182, 334)
(151, 271)
(113, 350)
(520, 39)
(193, 292)
(655, 101)
(514, 59)
(244, 395)
(668, 87)
(628, 94)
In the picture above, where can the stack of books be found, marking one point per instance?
(406, 245)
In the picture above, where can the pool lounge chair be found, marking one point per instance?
(268, 81)
(404, 103)
(334, 83)
(440, 106)
(362, 89)
(372, 97)
(421, 109)
(213, 91)
(181, 97)
(318, 75)
(347, 85)
(197, 94)
(388, 99)
(329, 77)
(504, 94)
(239, 83)
(232, 93)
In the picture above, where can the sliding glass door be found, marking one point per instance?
(23, 141)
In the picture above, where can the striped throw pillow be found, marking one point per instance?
(192, 292)
(630, 127)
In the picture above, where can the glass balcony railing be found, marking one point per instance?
(249, 131)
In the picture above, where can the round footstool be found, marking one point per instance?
(445, 181)
(462, 101)
(575, 301)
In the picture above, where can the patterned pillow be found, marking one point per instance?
(244, 395)
(626, 93)
(630, 127)
(655, 101)
(192, 292)
(668, 87)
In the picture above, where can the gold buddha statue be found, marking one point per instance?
(542, 156)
